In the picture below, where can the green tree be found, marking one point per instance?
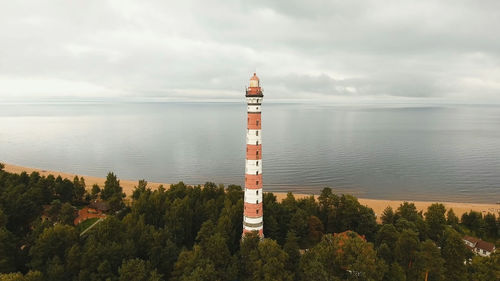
(387, 234)
(53, 242)
(78, 189)
(485, 268)
(316, 230)
(8, 251)
(111, 187)
(67, 214)
(137, 270)
(408, 211)
(387, 216)
(139, 189)
(395, 273)
(406, 249)
(435, 219)
(429, 262)
(451, 218)
(263, 260)
(491, 228)
(17, 276)
(454, 252)
(299, 225)
(345, 256)
(95, 191)
(291, 248)
(473, 221)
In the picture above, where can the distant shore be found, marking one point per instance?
(378, 205)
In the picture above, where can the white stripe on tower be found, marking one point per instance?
(253, 212)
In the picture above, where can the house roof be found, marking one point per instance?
(483, 245)
(471, 239)
(100, 205)
(480, 244)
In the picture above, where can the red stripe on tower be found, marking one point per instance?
(253, 212)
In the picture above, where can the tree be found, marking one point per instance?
(53, 242)
(64, 189)
(139, 189)
(111, 187)
(451, 218)
(453, 252)
(429, 261)
(345, 256)
(395, 273)
(407, 211)
(263, 260)
(211, 254)
(67, 214)
(3, 219)
(485, 268)
(387, 234)
(327, 202)
(79, 189)
(54, 210)
(435, 219)
(299, 225)
(95, 191)
(8, 251)
(17, 276)
(406, 249)
(316, 230)
(473, 221)
(137, 270)
(387, 216)
(491, 228)
(291, 248)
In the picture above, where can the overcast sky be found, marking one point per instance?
(314, 50)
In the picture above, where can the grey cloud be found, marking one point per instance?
(208, 49)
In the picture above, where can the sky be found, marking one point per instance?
(303, 51)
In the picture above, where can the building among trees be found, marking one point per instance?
(478, 246)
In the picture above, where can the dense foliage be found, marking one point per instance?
(194, 233)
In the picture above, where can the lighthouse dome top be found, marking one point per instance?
(254, 80)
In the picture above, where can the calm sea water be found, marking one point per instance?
(449, 153)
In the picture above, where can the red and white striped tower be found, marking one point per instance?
(253, 212)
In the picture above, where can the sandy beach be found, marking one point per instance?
(378, 205)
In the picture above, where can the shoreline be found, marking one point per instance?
(378, 205)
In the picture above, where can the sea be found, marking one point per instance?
(404, 152)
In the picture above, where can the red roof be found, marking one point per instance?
(483, 245)
(480, 244)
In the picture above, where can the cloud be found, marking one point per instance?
(302, 50)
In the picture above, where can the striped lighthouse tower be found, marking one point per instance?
(253, 212)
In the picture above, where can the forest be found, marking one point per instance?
(194, 233)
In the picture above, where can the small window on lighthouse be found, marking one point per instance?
(257, 183)
(257, 142)
(257, 163)
(257, 172)
(257, 192)
(256, 133)
(257, 211)
(257, 153)
(257, 202)
(257, 122)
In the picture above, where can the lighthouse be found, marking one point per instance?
(253, 212)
